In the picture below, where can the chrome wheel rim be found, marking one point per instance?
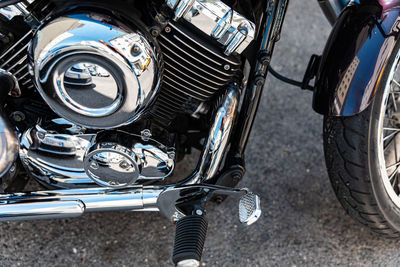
(388, 142)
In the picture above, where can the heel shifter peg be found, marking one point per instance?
(249, 208)
(249, 204)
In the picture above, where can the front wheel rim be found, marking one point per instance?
(388, 143)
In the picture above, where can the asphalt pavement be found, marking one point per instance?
(302, 222)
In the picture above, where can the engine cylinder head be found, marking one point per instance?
(94, 70)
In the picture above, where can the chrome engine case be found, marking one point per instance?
(112, 159)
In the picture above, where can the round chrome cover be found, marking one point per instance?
(94, 70)
(110, 164)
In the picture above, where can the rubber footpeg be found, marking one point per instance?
(189, 238)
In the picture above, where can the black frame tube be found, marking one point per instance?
(269, 33)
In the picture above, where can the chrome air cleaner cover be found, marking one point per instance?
(94, 70)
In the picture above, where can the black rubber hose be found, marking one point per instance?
(5, 3)
(287, 80)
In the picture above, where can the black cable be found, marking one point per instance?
(288, 80)
(5, 3)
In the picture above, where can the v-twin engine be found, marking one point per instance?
(115, 98)
(97, 71)
(101, 101)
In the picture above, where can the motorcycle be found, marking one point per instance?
(100, 101)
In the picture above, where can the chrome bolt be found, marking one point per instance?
(145, 134)
(227, 67)
(80, 129)
(135, 50)
(155, 32)
(199, 212)
(13, 168)
(94, 165)
(124, 165)
(41, 135)
(176, 216)
(171, 153)
(167, 29)
(17, 116)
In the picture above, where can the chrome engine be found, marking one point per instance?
(115, 88)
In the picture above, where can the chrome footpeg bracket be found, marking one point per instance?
(170, 198)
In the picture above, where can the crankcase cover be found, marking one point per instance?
(117, 165)
(94, 70)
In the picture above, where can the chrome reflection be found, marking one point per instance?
(61, 155)
(94, 70)
(217, 20)
(78, 74)
(56, 160)
(119, 165)
(9, 12)
(75, 202)
(113, 165)
(90, 90)
(218, 138)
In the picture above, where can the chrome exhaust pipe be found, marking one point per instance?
(9, 146)
(218, 138)
(75, 202)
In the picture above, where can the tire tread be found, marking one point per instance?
(346, 160)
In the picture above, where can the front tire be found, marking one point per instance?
(363, 168)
